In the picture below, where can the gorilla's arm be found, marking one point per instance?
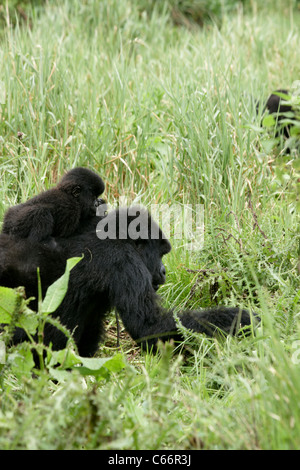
(28, 221)
(40, 225)
(146, 321)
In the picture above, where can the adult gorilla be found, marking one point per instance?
(122, 269)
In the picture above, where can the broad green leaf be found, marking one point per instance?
(101, 367)
(21, 360)
(56, 292)
(269, 121)
(65, 357)
(96, 366)
(28, 320)
(8, 298)
(8, 301)
(114, 364)
(59, 374)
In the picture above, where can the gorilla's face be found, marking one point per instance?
(152, 251)
(88, 202)
(159, 277)
(85, 186)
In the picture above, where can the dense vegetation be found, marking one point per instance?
(160, 98)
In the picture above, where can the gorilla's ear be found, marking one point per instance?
(76, 190)
(70, 188)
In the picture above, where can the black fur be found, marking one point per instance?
(276, 105)
(122, 273)
(57, 212)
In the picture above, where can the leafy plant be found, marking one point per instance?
(14, 312)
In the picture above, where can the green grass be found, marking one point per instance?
(165, 114)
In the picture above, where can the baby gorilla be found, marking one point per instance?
(59, 211)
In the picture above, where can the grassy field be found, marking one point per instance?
(161, 101)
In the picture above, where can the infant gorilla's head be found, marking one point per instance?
(85, 186)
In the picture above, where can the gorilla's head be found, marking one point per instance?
(135, 225)
(85, 186)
